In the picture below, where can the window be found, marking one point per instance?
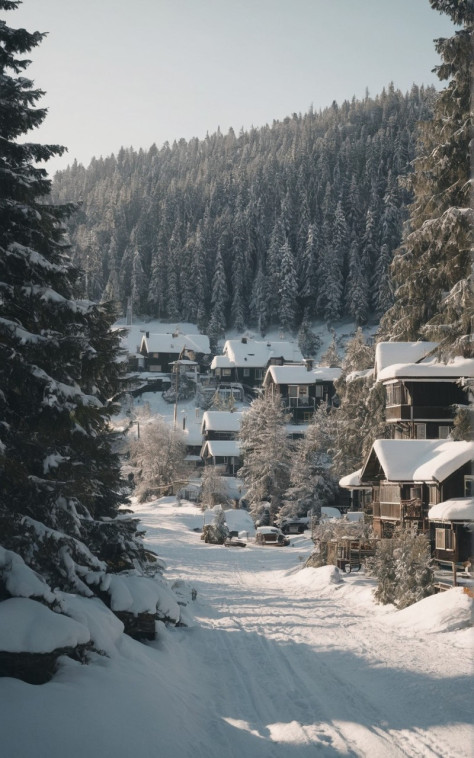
(246, 372)
(396, 394)
(443, 432)
(433, 494)
(444, 539)
(304, 392)
(415, 492)
(420, 431)
(226, 372)
(292, 390)
(468, 486)
(319, 390)
(259, 373)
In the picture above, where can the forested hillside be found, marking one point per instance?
(296, 219)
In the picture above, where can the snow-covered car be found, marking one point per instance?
(271, 535)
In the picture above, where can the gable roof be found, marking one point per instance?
(418, 460)
(222, 448)
(388, 353)
(300, 374)
(430, 368)
(454, 509)
(174, 343)
(221, 421)
(254, 354)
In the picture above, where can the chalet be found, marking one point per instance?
(422, 393)
(225, 454)
(452, 536)
(302, 388)
(221, 425)
(406, 477)
(160, 351)
(246, 360)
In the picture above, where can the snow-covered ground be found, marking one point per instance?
(280, 661)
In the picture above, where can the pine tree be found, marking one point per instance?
(433, 286)
(60, 482)
(219, 298)
(288, 289)
(266, 453)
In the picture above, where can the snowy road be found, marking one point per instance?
(281, 662)
(292, 667)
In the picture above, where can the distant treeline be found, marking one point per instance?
(293, 221)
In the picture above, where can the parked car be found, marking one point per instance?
(293, 527)
(271, 535)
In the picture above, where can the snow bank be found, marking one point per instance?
(138, 594)
(27, 626)
(316, 578)
(444, 612)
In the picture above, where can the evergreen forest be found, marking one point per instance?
(289, 222)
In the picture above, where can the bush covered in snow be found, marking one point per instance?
(403, 568)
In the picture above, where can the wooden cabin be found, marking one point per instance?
(221, 425)
(160, 351)
(406, 477)
(421, 395)
(302, 388)
(224, 454)
(245, 360)
(452, 539)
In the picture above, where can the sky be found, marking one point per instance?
(135, 73)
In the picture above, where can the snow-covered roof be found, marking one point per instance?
(255, 354)
(221, 421)
(429, 369)
(221, 361)
(351, 481)
(174, 343)
(222, 448)
(421, 460)
(454, 509)
(301, 375)
(388, 353)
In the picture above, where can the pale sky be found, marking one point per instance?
(137, 72)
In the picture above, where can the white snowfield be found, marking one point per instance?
(280, 662)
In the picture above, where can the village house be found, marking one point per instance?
(224, 454)
(221, 425)
(452, 535)
(302, 388)
(422, 393)
(245, 360)
(406, 477)
(158, 352)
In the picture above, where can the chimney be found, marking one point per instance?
(309, 364)
(244, 340)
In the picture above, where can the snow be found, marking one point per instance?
(444, 612)
(29, 626)
(429, 369)
(280, 661)
(256, 354)
(300, 374)
(221, 421)
(455, 509)
(389, 353)
(351, 480)
(421, 460)
(222, 448)
(176, 342)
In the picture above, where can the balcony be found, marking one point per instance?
(390, 511)
(418, 412)
(299, 402)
